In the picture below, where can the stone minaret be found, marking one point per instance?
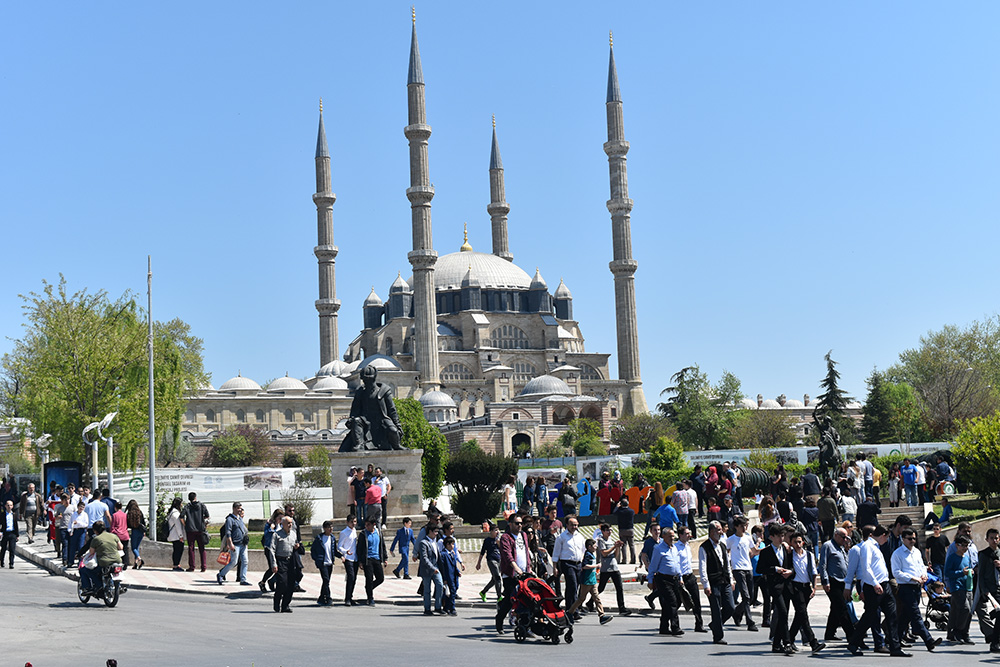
(422, 257)
(622, 266)
(498, 208)
(326, 253)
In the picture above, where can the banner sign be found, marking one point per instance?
(184, 480)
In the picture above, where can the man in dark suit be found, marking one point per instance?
(8, 538)
(775, 565)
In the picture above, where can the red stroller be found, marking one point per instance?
(536, 609)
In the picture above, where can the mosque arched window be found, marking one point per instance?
(241, 416)
(210, 415)
(523, 371)
(509, 337)
(588, 372)
(289, 416)
(456, 371)
(260, 415)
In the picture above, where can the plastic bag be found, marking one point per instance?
(223, 558)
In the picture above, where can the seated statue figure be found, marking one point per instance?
(373, 423)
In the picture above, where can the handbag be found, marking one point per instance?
(90, 561)
(224, 557)
(204, 538)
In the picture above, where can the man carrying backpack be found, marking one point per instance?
(195, 518)
(235, 539)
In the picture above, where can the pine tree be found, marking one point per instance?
(833, 402)
(876, 423)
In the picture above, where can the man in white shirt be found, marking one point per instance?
(741, 550)
(347, 550)
(568, 553)
(383, 482)
(921, 482)
(692, 509)
(689, 582)
(874, 577)
(910, 572)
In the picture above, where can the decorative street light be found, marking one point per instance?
(93, 449)
(110, 440)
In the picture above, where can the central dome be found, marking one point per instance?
(491, 271)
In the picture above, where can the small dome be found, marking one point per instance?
(794, 403)
(538, 282)
(350, 368)
(546, 384)
(770, 403)
(399, 285)
(239, 383)
(445, 330)
(287, 384)
(749, 403)
(373, 299)
(381, 362)
(207, 387)
(853, 405)
(562, 292)
(437, 399)
(332, 369)
(329, 383)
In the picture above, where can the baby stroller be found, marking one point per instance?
(536, 609)
(938, 605)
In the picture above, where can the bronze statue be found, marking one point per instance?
(829, 443)
(373, 423)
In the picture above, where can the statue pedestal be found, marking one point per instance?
(402, 467)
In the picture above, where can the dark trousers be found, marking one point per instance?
(178, 552)
(616, 578)
(720, 600)
(350, 578)
(125, 557)
(744, 584)
(7, 543)
(692, 525)
(689, 584)
(286, 583)
(194, 540)
(267, 571)
(668, 589)
(627, 535)
(909, 612)
(495, 578)
(779, 617)
(839, 616)
(873, 604)
(801, 594)
(404, 563)
(324, 591)
(571, 571)
(828, 526)
(506, 601)
(373, 576)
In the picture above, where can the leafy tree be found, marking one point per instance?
(760, 458)
(291, 460)
(756, 429)
(584, 437)
(633, 434)
(701, 413)
(419, 434)
(976, 452)
(550, 450)
(905, 415)
(666, 454)
(876, 422)
(316, 472)
(833, 402)
(305, 505)
(477, 478)
(240, 447)
(84, 355)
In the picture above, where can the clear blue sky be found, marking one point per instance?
(806, 176)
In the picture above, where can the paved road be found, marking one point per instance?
(154, 628)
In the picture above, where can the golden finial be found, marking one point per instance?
(321, 105)
(611, 39)
(413, 11)
(465, 245)
(494, 121)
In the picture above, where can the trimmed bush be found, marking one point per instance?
(477, 478)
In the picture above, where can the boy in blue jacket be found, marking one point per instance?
(448, 565)
(404, 538)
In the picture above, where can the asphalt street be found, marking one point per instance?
(46, 625)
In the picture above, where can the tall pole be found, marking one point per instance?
(152, 421)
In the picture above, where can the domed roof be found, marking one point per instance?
(329, 383)
(287, 384)
(562, 292)
(381, 362)
(350, 368)
(538, 282)
(794, 403)
(445, 330)
(239, 382)
(770, 403)
(399, 285)
(332, 369)
(437, 399)
(545, 384)
(749, 403)
(491, 271)
(373, 299)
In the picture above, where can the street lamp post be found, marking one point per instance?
(93, 449)
(110, 440)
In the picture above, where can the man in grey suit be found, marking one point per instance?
(428, 570)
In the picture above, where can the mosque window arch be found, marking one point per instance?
(523, 371)
(509, 337)
(189, 416)
(241, 416)
(306, 415)
(210, 415)
(388, 347)
(588, 372)
(289, 416)
(260, 415)
(456, 371)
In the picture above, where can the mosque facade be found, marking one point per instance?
(485, 346)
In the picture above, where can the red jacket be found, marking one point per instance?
(507, 550)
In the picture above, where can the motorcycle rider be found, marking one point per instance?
(105, 546)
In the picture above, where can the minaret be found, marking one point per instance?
(498, 208)
(622, 266)
(422, 257)
(326, 253)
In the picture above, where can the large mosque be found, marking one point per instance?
(488, 350)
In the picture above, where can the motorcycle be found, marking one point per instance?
(111, 586)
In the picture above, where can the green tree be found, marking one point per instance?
(876, 422)
(701, 413)
(477, 478)
(584, 437)
(418, 433)
(667, 454)
(240, 447)
(905, 416)
(976, 452)
(84, 355)
(756, 429)
(316, 472)
(833, 402)
(633, 434)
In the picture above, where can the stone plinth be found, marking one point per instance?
(401, 466)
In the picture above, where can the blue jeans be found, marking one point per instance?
(76, 543)
(90, 579)
(65, 537)
(438, 590)
(136, 535)
(911, 495)
(237, 555)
